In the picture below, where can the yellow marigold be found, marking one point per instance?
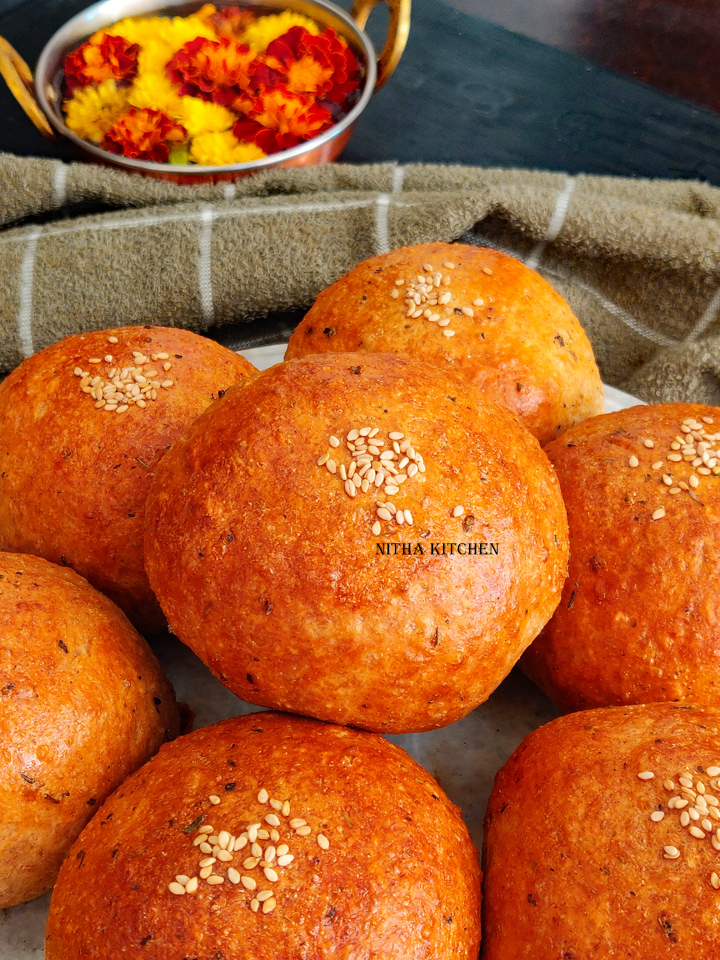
(201, 116)
(173, 32)
(153, 56)
(216, 149)
(93, 110)
(154, 91)
(266, 29)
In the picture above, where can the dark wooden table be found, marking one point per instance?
(468, 91)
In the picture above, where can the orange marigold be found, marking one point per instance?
(280, 120)
(144, 135)
(102, 57)
(232, 22)
(204, 68)
(323, 65)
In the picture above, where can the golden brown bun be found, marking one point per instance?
(398, 878)
(638, 621)
(83, 702)
(272, 573)
(574, 866)
(523, 346)
(74, 479)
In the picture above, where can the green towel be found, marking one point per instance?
(84, 247)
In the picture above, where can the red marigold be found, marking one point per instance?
(144, 135)
(101, 58)
(231, 21)
(280, 120)
(323, 65)
(206, 68)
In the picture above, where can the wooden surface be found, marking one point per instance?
(468, 91)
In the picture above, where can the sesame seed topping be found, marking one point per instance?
(488, 271)
(671, 853)
(285, 859)
(479, 302)
(263, 795)
(214, 800)
(269, 905)
(323, 842)
(376, 528)
(303, 831)
(649, 444)
(696, 832)
(646, 775)
(177, 888)
(458, 511)
(657, 816)
(98, 360)
(448, 333)
(248, 883)
(255, 905)
(272, 820)
(658, 514)
(232, 875)
(633, 461)
(192, 885)
(271, 875)
(112, 339)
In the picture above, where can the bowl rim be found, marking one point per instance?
(106, 12)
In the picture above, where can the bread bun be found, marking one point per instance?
(378, 861)
(591, 846)
(83, 702)
(74, 478)
(301, 595)
(638, 620)
(512, 334)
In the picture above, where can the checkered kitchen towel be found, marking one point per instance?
(638, 260)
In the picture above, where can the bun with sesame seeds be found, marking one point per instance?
(83, 702)
(639, 619)
(270, 836)
(84, 424)
(357, 537)
(477, 311)
(602, 840)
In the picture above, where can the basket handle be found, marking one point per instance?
(397, 33)
(19, 79)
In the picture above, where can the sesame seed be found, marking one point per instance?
(350, 488)
(408, 518)
(331, 466)
(252, 832)
(384, 514)
(671, 853)
(115, 340)
(376, 528)
(269, 905)
(674, 490)
(98, 360)
(192, 885)
(232, 875)
(263, 795)
(680, 803)
(704, 471)
(177, 888)
(248, 883)
(633, 461)
(468, 311)
(108, 358)
(205, 847)
(649, 444)
(215, 879)
(271, 875)
(696, 832)
(323, 842)
(264, 895)
(684, 818)
(303, 831)
(205, 872)
(707, 420)
(713, 771)
(659, 514)
(686, 782)
(674, 457)
(399, 283)
(214, 800)
(448, 265)
(207, 862)
(427, 267)
(285, 859)
(181, 878)
(391, 490)
(255, 905)
(479, 302)
(394, 294)
(272, 820)
(646, 775)
(488, 271)
(448, 333)
(445, 298)
(224, 856)
(657, 816)
(166, 384)
(458, 511)
(256, 850)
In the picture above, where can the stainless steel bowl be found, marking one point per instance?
(46, 86)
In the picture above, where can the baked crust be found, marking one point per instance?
(83, 702)
(522, 346)
(74, 479)
(639, 619)
(272, 573)
(575, 867)
(400, 877)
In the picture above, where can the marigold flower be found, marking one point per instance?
(200, 117)
(211, 149)
(93, 110)
(155, 92)
(293, 117)
(102, 57)
(144, 135)
(174, 32)
(322, 64)
(232, 22)
(206, 67)
(266, 29)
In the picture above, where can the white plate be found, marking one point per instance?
(462, 757)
